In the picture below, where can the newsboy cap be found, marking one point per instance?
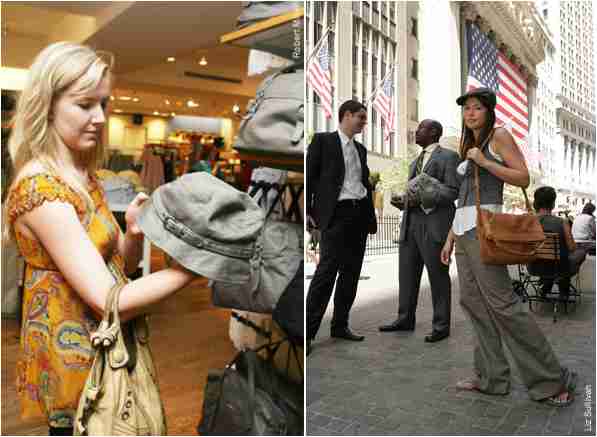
(486, 95)
(205, 224)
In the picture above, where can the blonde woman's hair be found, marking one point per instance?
(56, 68)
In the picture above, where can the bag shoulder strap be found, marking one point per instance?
(486, 142)
(477, 189)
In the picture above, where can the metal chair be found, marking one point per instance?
(534, 280)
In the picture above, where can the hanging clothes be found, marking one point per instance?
(152, 173)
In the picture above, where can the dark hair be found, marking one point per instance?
(545, 198)
(589, 209)
(467, 138)
(351, 106)
(437, 126)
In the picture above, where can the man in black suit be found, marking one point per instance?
(340, 204)
(423, 231)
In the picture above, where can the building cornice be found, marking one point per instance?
(517, 30)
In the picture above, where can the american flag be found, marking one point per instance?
(383, 104)
(319, 77)
(489, 68)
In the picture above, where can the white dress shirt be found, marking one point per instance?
(353, 187)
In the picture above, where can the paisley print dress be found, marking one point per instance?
(56, 353)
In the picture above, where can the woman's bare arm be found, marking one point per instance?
(514, 171)
(57, 227)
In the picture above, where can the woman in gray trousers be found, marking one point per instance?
(486, 290)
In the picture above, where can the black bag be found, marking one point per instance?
(252, 398)
(289, 312)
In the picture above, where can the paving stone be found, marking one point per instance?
(337, 425)
(320, 420)
(497, 411)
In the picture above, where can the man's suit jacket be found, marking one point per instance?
(325, 177)
(442, 166)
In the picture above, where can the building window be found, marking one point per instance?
(414, 72)
(414, 29)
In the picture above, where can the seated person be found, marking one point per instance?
(570, 257)
(583, 229)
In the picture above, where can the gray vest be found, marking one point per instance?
(491, 188)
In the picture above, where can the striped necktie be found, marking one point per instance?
(419, 165)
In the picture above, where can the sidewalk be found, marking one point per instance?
(396, 384)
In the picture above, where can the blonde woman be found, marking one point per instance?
(72, 245)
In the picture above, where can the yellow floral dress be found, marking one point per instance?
(56, 353)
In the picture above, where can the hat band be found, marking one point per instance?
(187, 235)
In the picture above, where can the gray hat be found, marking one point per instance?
(277, 258)
(206, 225)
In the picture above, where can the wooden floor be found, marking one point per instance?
(188, 336)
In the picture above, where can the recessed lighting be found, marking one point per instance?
(167, 102)
(125, 98)
(170, 59)
(173, 114)
(156, 113)
(203, 61)
(135, 99)
(192, 104)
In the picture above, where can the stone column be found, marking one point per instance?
(402, 73)
(439, 64)
(344, 40)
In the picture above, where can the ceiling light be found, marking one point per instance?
(111, 97)
(171, 59)
(173, 114)
(156, 113)
(126, 98)
(135, 99)
(167, 102)
(118, 110)
(203, 61)
(235, 108)
(192, 104)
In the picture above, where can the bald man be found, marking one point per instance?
(423, 231)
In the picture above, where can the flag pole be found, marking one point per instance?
(379, 84)
(316, 48)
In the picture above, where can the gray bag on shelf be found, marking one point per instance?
(258, 11)
(274, 124)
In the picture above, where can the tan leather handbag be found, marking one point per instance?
(121, 395)
(507, 238)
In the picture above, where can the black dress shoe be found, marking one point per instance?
(347, 334)
(395, 326)
(437, 336)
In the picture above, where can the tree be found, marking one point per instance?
(394, 178)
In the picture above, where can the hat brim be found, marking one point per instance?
(200, 261)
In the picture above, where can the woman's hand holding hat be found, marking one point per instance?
(132, 212)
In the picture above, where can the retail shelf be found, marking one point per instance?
(277, 35)
(281, 163)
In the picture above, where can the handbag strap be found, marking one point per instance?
(478, 190)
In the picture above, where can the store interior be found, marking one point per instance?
(179, 94)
